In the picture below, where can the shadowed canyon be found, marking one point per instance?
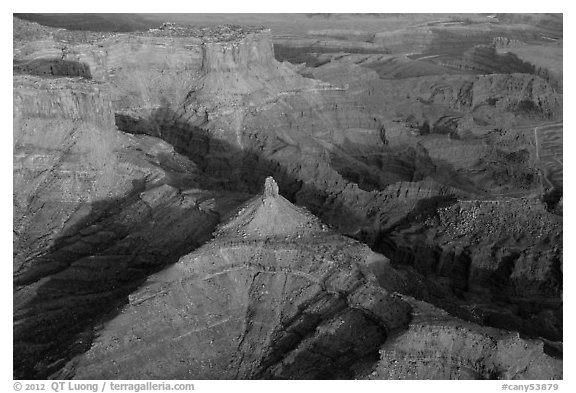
(320, 196)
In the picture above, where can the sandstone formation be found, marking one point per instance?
(275, 295)
(88, 203)
(500, 282)
(130, 148)
(439, 346)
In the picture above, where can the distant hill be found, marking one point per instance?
(93, 22)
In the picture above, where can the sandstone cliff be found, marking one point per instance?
(438, 346)
(88, 204)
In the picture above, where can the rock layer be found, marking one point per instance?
(89, 203)
(438, 346)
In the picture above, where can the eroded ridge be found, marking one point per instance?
(248, 306)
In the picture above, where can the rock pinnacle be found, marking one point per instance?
(270, 188)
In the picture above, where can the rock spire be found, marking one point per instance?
(270, 188)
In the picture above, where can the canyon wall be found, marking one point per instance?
(89, 204)
(129, 149)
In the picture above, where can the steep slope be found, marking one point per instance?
(439, 346)
(95, 211)
(504, 257)
(276, 294)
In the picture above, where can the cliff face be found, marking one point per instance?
(252, 51)
(439, 346)
(53, 98)
(466, 252)
(90, 203)
(63, 157)
(143, 72)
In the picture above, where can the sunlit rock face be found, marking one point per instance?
(89, 205)
(64, 157)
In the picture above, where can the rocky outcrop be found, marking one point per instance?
(439, 346)
(505, 42)
(95, 211)
(516, 286)
(276, 294)
(55, 99)
(244, 54)
(532, 96)
(63, 157)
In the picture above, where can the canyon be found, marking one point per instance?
(223, 201)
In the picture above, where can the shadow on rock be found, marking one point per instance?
(52, 67)
(93, 267)
(64, 295)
